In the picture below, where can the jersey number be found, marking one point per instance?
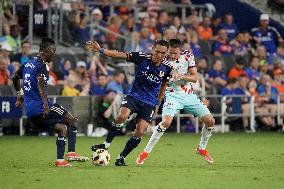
(27, 82)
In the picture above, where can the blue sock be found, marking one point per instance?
(71, 133)
(130, 145)
(113, 131)
(60, 142)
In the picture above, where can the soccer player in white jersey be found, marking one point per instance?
(180, 95)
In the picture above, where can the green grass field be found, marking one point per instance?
(241, 161)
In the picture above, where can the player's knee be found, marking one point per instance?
(211, 122)
(121, 118)
(166, 124)
(139, 132)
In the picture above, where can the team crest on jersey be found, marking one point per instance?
(162, 74)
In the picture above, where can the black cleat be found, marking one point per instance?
(120, 162)
(98, 146)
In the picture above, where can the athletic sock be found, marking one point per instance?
(113, 132)
(205, 135)
(60, 143)
(155, 137)
(71, 133)
(130, 145)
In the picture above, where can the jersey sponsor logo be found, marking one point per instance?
(27, 82)
(151, 77)
(28, 64)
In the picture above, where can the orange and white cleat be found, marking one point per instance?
(141, 158)
(205, 154)
(62, 164)
(72, 156)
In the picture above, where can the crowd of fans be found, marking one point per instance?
(255, 68)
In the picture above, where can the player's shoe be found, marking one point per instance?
(120, 162)
(205, 154)
(62, 164)
(72, 156)
(141, 158)
(98, 146)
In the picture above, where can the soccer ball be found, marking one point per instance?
(101, 157)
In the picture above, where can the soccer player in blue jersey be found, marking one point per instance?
(180, 95)
(39, 109)
(145, 96)
(267, 35)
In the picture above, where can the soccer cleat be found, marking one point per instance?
(120, 162)
(62, 164)
(141, 158)
(72, 156)
(205, 154)
(98, 146)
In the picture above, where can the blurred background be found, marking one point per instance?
(238, 47)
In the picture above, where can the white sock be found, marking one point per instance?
(106, 145)
(61, 160)
(157, 134)
(205, 135)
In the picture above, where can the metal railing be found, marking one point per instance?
(223, 114)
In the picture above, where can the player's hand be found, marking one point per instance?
(175, 76)
(45, 110)
(92, 46)
(20, 100)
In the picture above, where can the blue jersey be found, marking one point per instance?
(232, 30)
(148, 78)
(32, 99)
(267, 37)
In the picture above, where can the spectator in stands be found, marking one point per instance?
(252, 71)
(217, 77)
(204, 30)
(5, 51)
(280, 52)
(82, 81)
(100, 87)
(169, 34)
(222, 45)
(263, 69)
(152, 28)
(116, 83)
(53, 80)
(238, 68)
(278, 82)
(230, 27)
(263, 56)
(96, 68)
(65, 68)
(70, 90)
(195, 47)
(128, 45)
(234, 104)
(177, 27)
(216, 24)
(114, 26)
(25, 55)
(145, 41)
(14, 39)
(163, 20)
(153, 7)
(269, 97)
(82, 30)
(266, 35)
(258, 106)
(4, 73)
(105, 110)
(202, 69)
(240, 45)
(97, 16)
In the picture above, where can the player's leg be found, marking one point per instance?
(133, 142)
(115, 128)
(170, 108)
(144, 116)
(61, 115)
(198, 108)
(60, 143)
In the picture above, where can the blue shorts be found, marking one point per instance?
(56, 115)
(144, 111)
(189, 102)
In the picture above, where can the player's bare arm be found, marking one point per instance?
(95, 47)
(191, 77)
(17, 85)
(161, 95)
(43, 94)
